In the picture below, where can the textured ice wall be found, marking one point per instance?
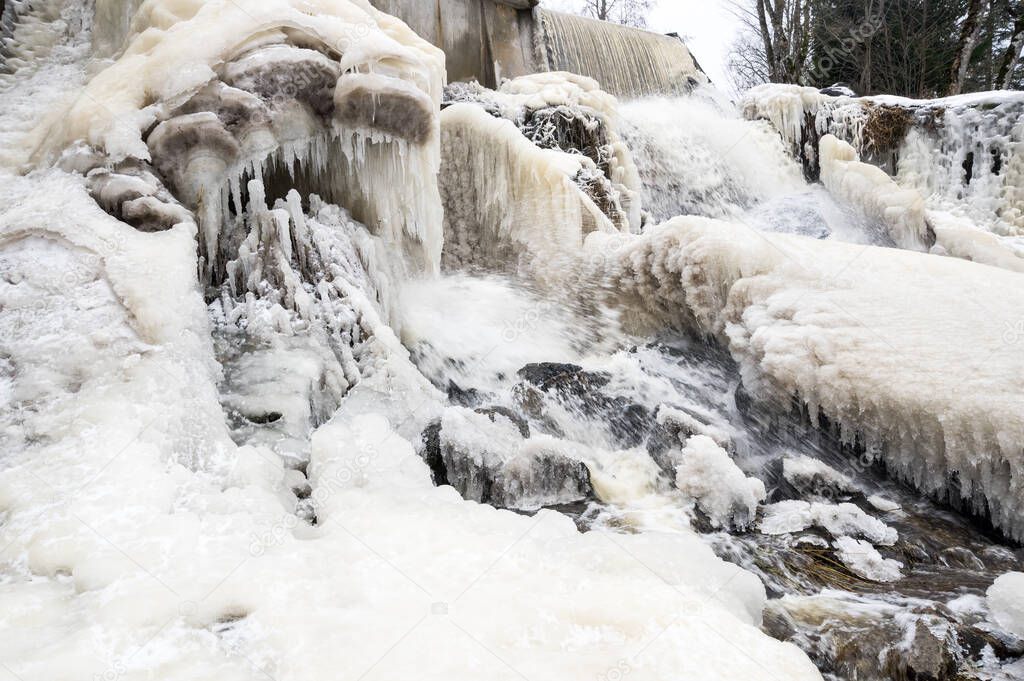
(916, 355)
(530, 170)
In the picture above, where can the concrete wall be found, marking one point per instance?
(483, 39)
(488, 40)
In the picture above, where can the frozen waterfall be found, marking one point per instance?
(313, 364)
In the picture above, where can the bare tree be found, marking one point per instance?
(629, 12)
(1014, 49)
(970, 36)
(783, 28)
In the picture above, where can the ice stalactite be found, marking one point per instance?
(297, 316)
(530, 170)
(337, 101)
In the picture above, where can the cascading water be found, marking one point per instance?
(697, 156)
(627, 62)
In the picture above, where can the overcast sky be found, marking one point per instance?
(709, 26)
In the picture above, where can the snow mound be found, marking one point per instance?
(1006, 602)
(852, 331)
(707, 475)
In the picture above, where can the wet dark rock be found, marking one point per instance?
(580, 392)
(1005, 645)
(516, 479)
(563, 379)
(960, 557)
(778, 624)
(545, 476)
(432, 453)
(928, 657)
(667, 437)
(462, 397)
(519, 421)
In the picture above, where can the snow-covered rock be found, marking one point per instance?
(864, 560)
(814, 476)
(839, 520)
(1006, 602)
(707, 475)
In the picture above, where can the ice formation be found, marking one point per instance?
(864, 185)
(213, 94)
(532, 169)
(960, 154)
(207, 414)
(247, 432)
(844, 328)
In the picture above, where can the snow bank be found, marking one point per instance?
(913, 352)
(1006, 602)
